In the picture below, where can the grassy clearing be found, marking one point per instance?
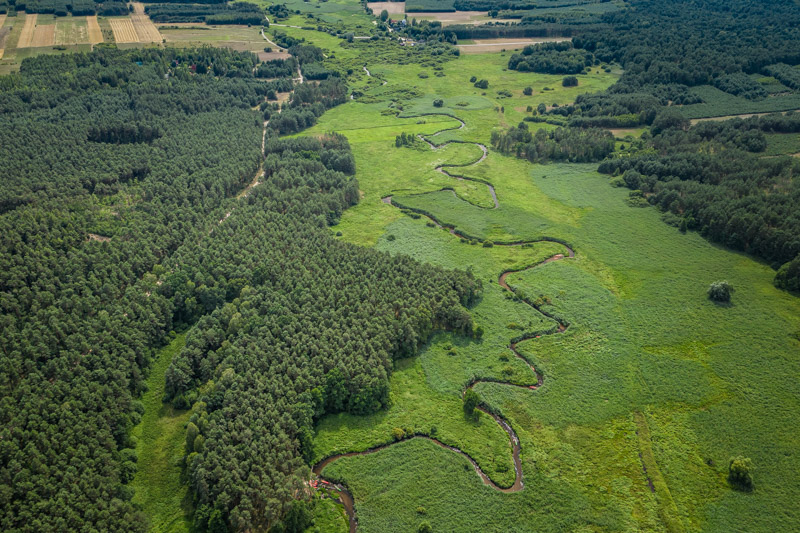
(782, 143)
(718, 104)
(644, 338)
(160, 441)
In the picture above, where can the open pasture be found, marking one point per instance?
(241, 38)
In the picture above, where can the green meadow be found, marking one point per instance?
(650, 373)
(160, 436)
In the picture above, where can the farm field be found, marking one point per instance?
(30, 35)
(239, 38)
(124, 30)
(146, 31)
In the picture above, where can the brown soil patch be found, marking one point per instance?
(267, 56)
(96, 237)
(27, 31)
(1, 53)
(124, 32)
(44, 35)
(393, 8)
(95, 33)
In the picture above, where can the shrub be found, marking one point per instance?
(471, 401)
(527, 91)
(488, 244)
(438, 102)
(482, 84)
(390, 237)
(720, 291)
(788, 276)
(398, 434)
(473, 79)
(570, 81)
(424, 527)
(739, 473)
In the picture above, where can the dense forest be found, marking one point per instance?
(120, 169)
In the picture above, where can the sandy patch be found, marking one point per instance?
(1, 53)
(27, 31)
(44, 35)
(95, 33)
(393, 8)
(124, 31)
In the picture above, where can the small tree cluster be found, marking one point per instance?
(739, 473)
(482, 84)
(570, 81)
(720, 291)
(405, 139)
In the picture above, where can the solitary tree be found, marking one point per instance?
(739, 473)
(527, 91)
(541, 108)
(720, 291)
(471, 400)
(384, 15)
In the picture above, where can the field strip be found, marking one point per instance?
(1, 53)
(2, 20)
(146, 31)
(44, 35)
(667, 510)
(27, 31)
(124, 31)
(95, 33)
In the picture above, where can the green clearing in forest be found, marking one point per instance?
(164, 498)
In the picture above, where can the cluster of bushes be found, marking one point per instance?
(561, 144)
(740, 84)
(551, 58)
(786, 74)
(277, 68)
